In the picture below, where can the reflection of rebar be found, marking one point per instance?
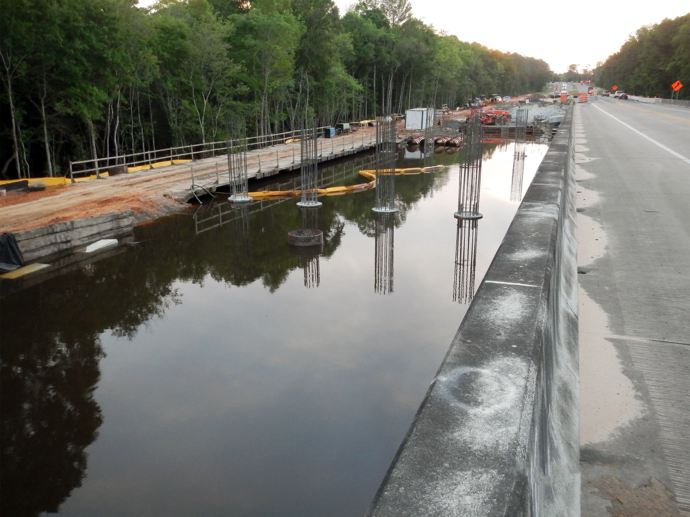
(429, 137)
(383, 258)
(470, 170)
(465, 261)
(310, 167)
(236, 145)
(240, 236)
(386, 152)
(312, 271)
(519, 156)
(310, 218)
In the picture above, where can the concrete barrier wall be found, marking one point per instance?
(676, 102)
(66, 236)
(646, 100)
(656, 100)
(497, 433)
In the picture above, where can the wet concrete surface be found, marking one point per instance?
(633, 173)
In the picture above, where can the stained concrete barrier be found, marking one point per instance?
(68, 235)
(497, 433)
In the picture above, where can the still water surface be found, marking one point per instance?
(219, 374)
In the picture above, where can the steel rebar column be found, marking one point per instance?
(236, 144)
(470, 170)
(310, 166)
(386, 152)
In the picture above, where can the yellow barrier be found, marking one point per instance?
(155, 165)
(41, 182)
(46, 182)
(339, 191)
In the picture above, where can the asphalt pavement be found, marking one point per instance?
(633, 177)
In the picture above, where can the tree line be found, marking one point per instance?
(651, 60)
(101, 78)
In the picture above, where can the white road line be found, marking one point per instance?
(686, 160)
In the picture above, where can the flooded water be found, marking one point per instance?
(210, 370)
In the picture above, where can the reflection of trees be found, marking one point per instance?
(50, 368)
(49, 415)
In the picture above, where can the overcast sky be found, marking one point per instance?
(559, 32)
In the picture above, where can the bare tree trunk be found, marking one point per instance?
(46, 141)
(131, 117)
(409, 95)
(153, 132)
(92, 138)
(3, 172)
(13, 116)
(108, 124)
(141, 125)
(438, 77)
(116, 131)
(374, 92)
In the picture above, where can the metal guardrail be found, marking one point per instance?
(200, 151)
(193, 152)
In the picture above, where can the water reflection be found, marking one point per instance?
(212, 399)
(309, 256)
(383, 256)
(465, 260)
(519, 156)
(49, 415)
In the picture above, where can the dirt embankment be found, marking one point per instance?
(149, 194)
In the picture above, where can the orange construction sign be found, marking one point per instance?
(677, 86)
(614, 87)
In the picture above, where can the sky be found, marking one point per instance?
(561, 33)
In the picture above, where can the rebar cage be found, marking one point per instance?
(236, 144)
(386, 152)
(470, 170)
(310, 165)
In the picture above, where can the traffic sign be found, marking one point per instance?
(677, 86)
(614, 87)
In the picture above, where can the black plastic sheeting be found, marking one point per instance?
(10, 255)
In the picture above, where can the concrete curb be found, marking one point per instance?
(498, 431)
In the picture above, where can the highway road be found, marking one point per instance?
(633, 177)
